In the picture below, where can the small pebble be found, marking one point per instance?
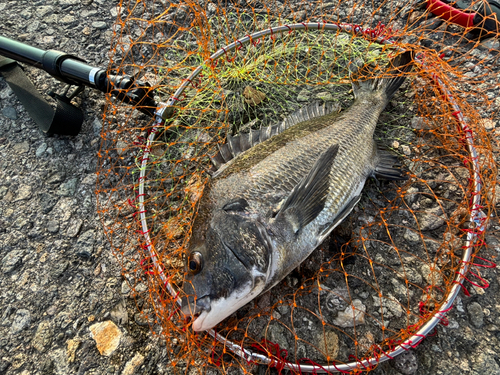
(10, 112)
(41, 149)
(99, 25)
(476, 314)
(22, 320)
(406, 150)
(406, 363)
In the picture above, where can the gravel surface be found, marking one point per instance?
(63, 309)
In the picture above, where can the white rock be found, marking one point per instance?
(353, 315)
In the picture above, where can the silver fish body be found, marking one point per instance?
(266, 210)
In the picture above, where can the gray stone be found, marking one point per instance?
(12, 260)
(353, 315)
(56, 177)
(406, 150)
(68, 188)
(432, 275)
(133, 365)
(4, 319)
(99, 25)
(276, 333)
(119, 313)
(114, 11)
(121, 147)
(303, 96)
(141, 319)
(10, 112)
(22, 320)
(23, 193)
(21, 148)
(491, 43)
(47, 202)
(211, 8)
(411, 236)
(6, 92)
(476, 314)
(59, 359)
(41, 149)
(43, 336)
(485, 363)
(3, 191)
(140, 288)
(406, 363)
(125, 287)
(418, 123)
(52, 226)
(97, 126)
(336, 299)
(74, 227)
(389, 305)
(44, 11)
(33, 26)
(84, 246)
(325, 96)
(431, 219)
(489, 124)
(67, 20)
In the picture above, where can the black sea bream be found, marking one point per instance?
(279, 194)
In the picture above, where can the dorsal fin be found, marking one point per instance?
(242, 142)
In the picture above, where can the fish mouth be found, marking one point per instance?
(192, 306)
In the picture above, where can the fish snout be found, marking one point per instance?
(192, 306)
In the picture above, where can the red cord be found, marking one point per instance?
(450, 14)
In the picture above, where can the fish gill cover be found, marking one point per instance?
(390, 271)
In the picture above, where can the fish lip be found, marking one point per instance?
(201, 309)
(201, 305)
(198, 322)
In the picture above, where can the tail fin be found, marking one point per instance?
(395, 69)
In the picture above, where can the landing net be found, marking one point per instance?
(390, 272)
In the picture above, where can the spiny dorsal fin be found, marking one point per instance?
(308, 197)
(307, 113)
(242, 142)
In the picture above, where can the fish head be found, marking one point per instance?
(226, 267)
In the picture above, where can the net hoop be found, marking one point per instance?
(478, 218)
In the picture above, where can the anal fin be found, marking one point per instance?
(388, 166)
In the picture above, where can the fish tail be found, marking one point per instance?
(387, 82)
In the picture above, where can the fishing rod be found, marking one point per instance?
(73, 71)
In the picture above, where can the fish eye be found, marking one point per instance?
(194, 262)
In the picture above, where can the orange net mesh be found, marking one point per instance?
(393, 266)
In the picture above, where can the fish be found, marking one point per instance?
(279, 192)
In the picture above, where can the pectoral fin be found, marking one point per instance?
(308, 198)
